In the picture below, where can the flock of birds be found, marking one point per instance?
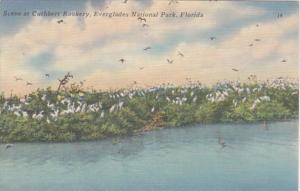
(212, 38)
(166, 92)
(27, 83)
(143, 21)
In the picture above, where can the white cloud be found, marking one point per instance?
(99, 43)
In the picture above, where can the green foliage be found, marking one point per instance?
(272, 111)
(242, 113)
(175, 106)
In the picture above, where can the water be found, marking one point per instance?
(188, 158)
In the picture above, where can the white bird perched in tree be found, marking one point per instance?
(234, 102)
(112, 108)
(195, 99)
(244, 99)
(40, 115)
(168, 99)
(257, 101)
(83, 108)
(55, 114)
(78, 108)
(44, 97)
(34, 115)
(248, 91)
(24, 114)
(17, 114)
(253, 107)
(152, 110)
(121, 105)
(265, 98)
(100, 104)
(102, 114)
(50, 105)
(240, 90)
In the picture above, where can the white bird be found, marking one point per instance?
(17, 113)
(168, 99)
(44, 97)
(24, 114)
(195, 99)
(102, 114)
(121, 105)
(112, 108)
(152, 110)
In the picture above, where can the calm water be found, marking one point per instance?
(184, 159)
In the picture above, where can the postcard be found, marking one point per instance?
(170, 95)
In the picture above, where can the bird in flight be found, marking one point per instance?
(257, 39)
(141, 68)
(47, 75)
(251, 44)
(180, 54)
(145, 25)
(8, 146)
(234, 69)
(125, 1)
(18, 79)
(284, 60)
(147, 48)
(212, 38)
(82, 82)
(28, 83)
(257, 25)
(60, 21)
(170, 61)
(141, 19)
(122, 60)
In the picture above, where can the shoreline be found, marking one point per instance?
(142, 132)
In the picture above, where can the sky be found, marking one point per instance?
(90, 48)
